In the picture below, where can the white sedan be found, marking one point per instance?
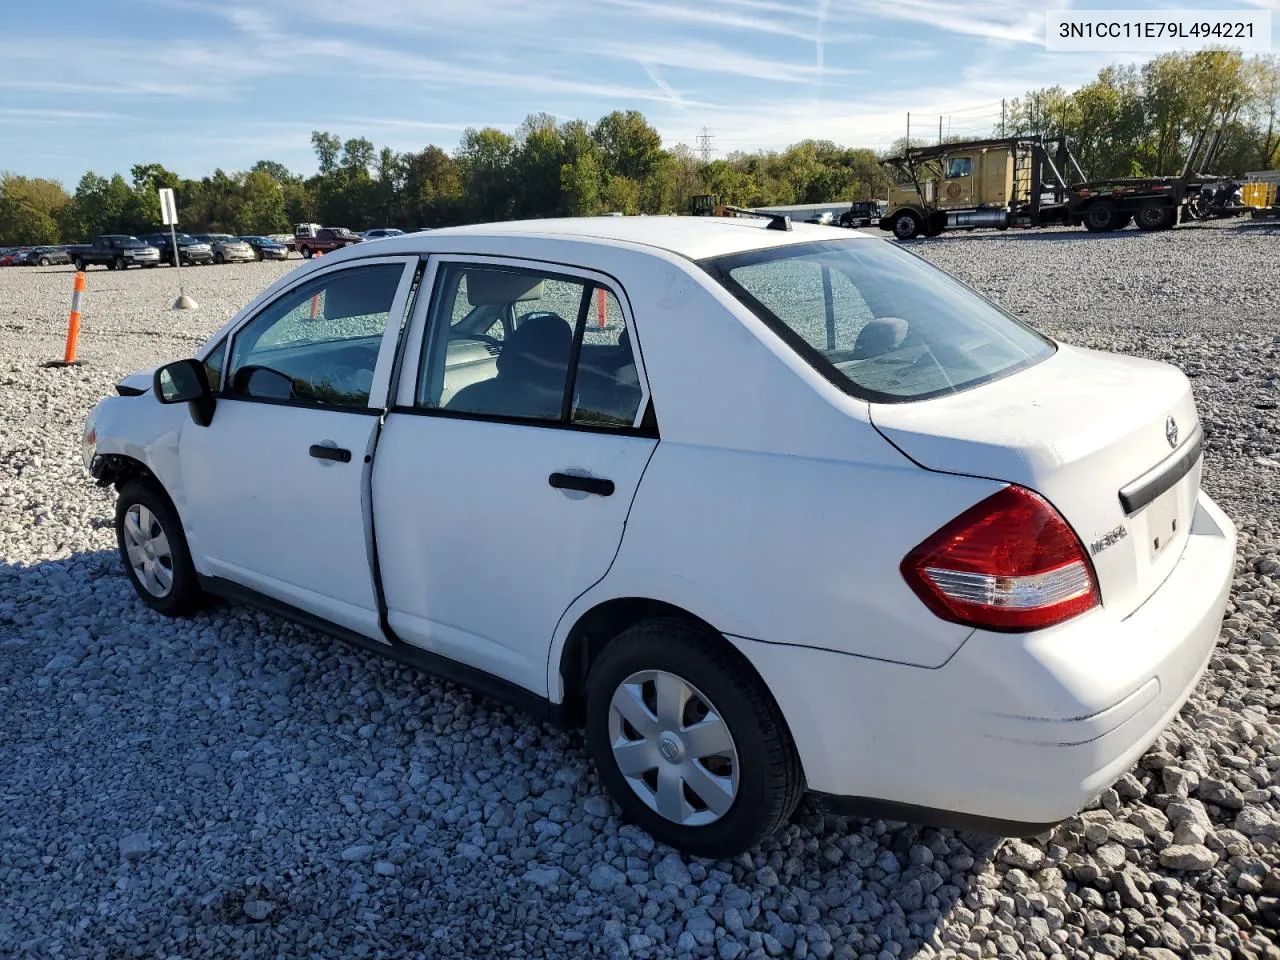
(764, 509)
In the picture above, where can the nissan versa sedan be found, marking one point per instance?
(765, 509)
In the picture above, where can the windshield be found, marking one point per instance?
(880, 323)
(131, 242)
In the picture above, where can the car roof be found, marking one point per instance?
(694, 237)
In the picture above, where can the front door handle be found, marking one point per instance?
(569, 481)
(321, 452)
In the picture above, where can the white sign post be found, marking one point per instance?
(169, 217)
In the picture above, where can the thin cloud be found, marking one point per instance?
(18, 113)
(673, 96)
(706, 57)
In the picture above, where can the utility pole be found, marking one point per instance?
(939, 129)
(908, 129)
(1002, 133)
(705, 137)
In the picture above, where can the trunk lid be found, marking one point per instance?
(1089, 431)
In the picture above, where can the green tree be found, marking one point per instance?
(262, 205)
(485, 158)
(631, 147)
(327, 147)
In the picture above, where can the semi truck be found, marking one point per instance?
(1027, 182)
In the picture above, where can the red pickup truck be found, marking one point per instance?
(311, 238)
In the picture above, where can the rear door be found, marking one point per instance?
(505, 472)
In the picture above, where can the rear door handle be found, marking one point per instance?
(569, 481)
(321, 452)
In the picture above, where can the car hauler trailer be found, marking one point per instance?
(1023, 182)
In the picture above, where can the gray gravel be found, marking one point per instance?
(237, 786)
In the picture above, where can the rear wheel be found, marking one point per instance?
(43, 261)
(306, 253)
(1101, 217)
(219, 258)
(1154, 215)
(689, 741)
(78, 263)
(906, 225)
(154, 550)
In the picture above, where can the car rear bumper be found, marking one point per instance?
(1014, 731)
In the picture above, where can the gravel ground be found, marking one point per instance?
(237, 786)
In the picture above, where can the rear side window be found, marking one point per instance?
(880, 323)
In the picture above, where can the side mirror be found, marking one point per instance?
(184, 381)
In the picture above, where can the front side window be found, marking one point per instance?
(880, 323)
(959, 167)
(213, 365)
(319, 342)
(524, 344)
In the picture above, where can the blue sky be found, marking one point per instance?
(201, 84)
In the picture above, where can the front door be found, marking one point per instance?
(275, 484)
(505, 473)
(957, 186)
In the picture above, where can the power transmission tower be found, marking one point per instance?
(705, 137)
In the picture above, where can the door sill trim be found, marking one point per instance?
(445, 668)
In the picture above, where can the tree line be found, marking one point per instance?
(1129, 121)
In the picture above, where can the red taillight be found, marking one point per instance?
(1008, 563)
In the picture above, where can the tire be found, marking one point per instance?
(306, 253)
(1155, 216)
(219, 259)
(143, 512)
(1101, 217)
(78, 263)
(906, 225)
(763, 759)
(119, 264)
(43, 262)
(257, 255)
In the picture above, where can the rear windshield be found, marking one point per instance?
(880, 323)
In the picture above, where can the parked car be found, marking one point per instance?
(310, 239)
(47, 256)
(115, 251)
(766, 508)
(381, 232)
(864, 213)
(226, 248)
(191, 251)
(264, 248)
(21, 257)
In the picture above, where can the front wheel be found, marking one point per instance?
(906, 225)
(689, 741)
(119, 264)
(154, 551)
(44, 261)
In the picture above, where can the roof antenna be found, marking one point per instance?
(777, 221)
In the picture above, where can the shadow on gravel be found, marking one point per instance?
(231, 784)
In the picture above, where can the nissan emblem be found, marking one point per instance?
(1171, 431)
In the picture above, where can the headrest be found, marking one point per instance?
(879, 336)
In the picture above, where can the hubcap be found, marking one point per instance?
(674, 748)
(148, 550)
